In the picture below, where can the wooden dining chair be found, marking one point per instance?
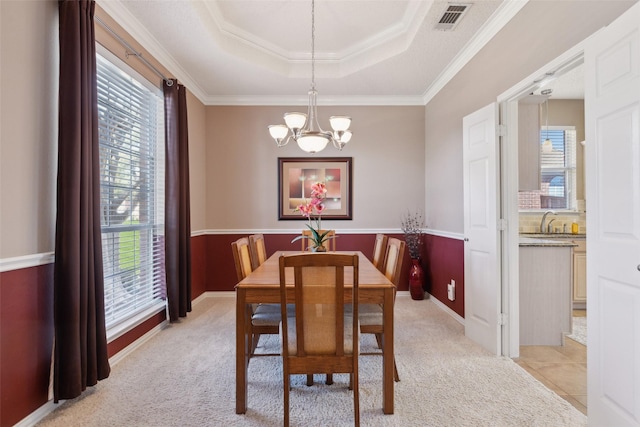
(330, 244)
(265, 318)
(321, 336)
(258, 250)
(371, 314)
(379, 251)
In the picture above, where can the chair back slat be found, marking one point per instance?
(242, 257)
(258, 250)
(393, 259)
(379, 251)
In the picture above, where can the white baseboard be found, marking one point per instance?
(37, 415)
(446, 309)
(440, 305)
(113, 361)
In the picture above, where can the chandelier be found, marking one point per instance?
(304, 128)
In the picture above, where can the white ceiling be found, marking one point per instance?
(257, 52)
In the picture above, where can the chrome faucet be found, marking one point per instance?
(549, 226)
(542, 227)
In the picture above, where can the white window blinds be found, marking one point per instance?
(131, 133)
(558, 167)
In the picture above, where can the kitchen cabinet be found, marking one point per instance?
(545, 291)
(529, 143)
(579, 295)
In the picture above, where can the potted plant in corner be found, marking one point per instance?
(412, 226)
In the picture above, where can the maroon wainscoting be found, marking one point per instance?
(26, 340)
(198, 266)
(445, 261)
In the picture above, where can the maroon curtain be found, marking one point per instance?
(80, 348)
(177, 204)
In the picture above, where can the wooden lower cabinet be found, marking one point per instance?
(545, 294)
(579, 293)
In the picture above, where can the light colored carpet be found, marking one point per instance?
(185, 376)
(579, 330)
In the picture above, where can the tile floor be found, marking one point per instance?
(562, 369)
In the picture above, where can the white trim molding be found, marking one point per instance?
(293, 231)
(26, 261)
(447, 234)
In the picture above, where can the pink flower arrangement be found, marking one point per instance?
(315, 207)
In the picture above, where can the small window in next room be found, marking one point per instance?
(557, 172)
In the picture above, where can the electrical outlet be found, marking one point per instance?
(451, 290)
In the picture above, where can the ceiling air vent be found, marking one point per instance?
(451, 16)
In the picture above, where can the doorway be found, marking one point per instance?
(562, 368)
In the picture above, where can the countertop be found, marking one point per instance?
(551, 240)
(554, 235)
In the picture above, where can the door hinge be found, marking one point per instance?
(502, 224)
(502, 319)
(502, 130)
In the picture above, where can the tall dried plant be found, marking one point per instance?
(412, 225)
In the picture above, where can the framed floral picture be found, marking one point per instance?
(296, 175)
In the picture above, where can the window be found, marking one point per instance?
(131, 133)
(557, 171)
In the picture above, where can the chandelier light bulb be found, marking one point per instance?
(312, 143)
(346, 136)
(340, 123)
(278, 131)
(295, 121)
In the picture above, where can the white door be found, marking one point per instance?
(482, 284)
(612, 125)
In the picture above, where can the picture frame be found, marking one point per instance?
(297, 174)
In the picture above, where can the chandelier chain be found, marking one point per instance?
(313, 44)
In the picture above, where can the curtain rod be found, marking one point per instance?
(131, 51)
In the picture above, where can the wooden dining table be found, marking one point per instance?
(263, 286)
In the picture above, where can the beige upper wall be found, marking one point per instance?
(242, 165)
(541, 31)
(28, 130)
(197, 114)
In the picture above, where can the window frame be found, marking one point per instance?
(569, 172)
(158, 302)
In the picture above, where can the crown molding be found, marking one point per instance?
(131, 25)
(322, 100)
